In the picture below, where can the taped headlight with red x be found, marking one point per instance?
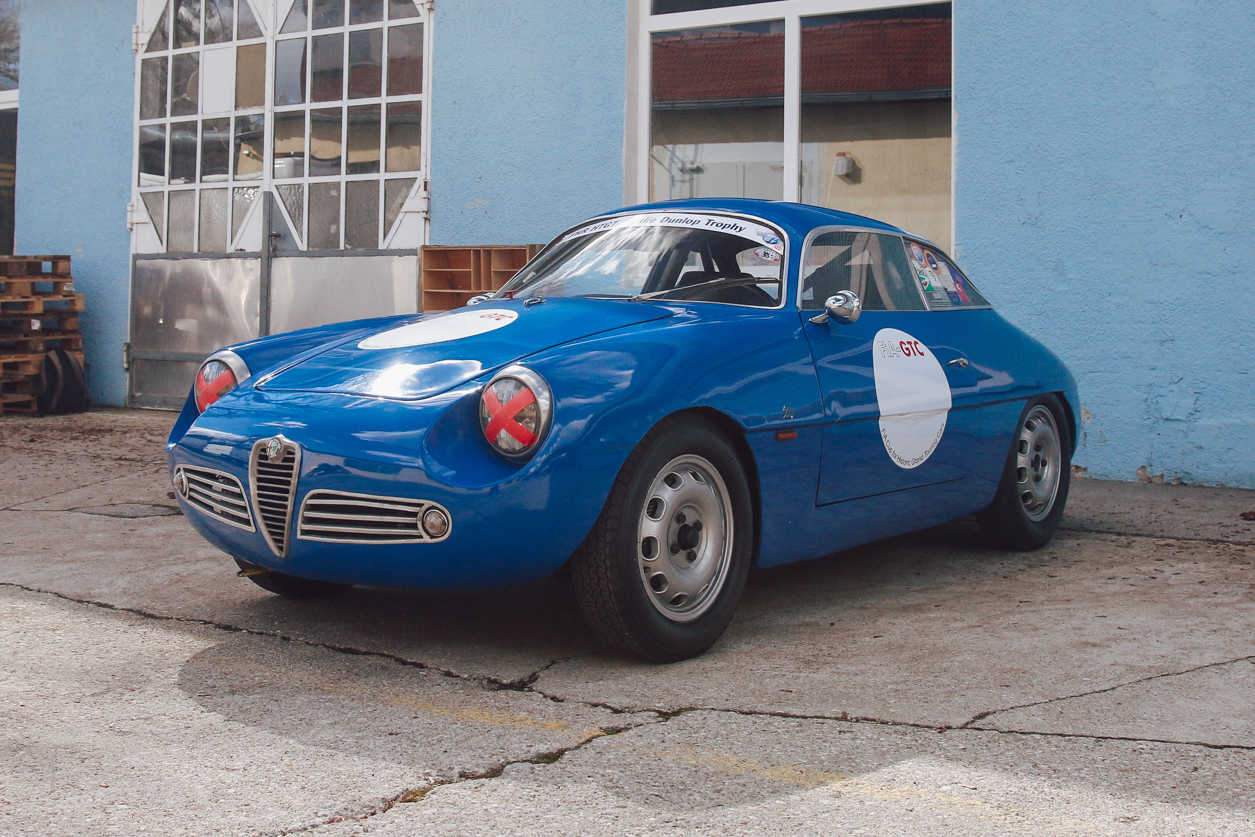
(515, 410)
(221, 373)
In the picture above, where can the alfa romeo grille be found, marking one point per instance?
(341, 517)
(272, 471)
(217, 495)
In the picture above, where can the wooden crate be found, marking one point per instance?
(450, 276)
(18, 403)
(21, 365)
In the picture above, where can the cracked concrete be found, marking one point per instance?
(922, 685)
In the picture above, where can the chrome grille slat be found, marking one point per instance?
(273, 486)
(218, 495)
(343, 517)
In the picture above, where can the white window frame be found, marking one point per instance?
(637, 141)
(270, 15)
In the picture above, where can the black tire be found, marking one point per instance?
(1020, 517)
(289, 586)
(610, 573)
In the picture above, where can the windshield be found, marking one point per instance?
(693, 256)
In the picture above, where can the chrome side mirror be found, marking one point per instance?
(844, 307)
(478, 298)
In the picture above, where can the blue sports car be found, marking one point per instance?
(663, 398)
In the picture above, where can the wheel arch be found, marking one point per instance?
(734, 434)
(1070, 412)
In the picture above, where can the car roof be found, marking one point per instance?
(799, 218)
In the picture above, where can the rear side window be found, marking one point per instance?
(942, 282)
(872, 265)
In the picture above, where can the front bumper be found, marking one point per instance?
(507, 523)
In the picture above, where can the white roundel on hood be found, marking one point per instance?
(441, 329)
(913, 394)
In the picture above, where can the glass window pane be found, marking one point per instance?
(364, 139)
(186, 23)
(327, 69)
(213, 221)
(250, 76)
(160, 38)
(215, 150)
(241, 200)
(365, 63)
(325, 145)
(398, 9)
(181, 237)
(289, 144)
(250, 146)
(182, 153)
(405, 60)
(324, 216)
(940, 280)
(875, 115)
(185, 84)
(152, 155)
(405, 137)
(293, 197)
(219, 17)
(297, 18)
(290, 72)
(247, 26)
(155, 203)
(873, 266)
(361, 214)
(152, 88)
(328, 13)
(365, 11)
(395, 193)
(717, 112)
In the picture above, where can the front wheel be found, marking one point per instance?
(661, 573)
(1035, 479)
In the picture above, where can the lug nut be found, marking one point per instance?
(692, 555)
(675, 548)
(697, 525)
(680, 518)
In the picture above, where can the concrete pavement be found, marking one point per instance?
(922, 685)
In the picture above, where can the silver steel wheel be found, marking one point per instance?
(684, 538)
(1037, 463)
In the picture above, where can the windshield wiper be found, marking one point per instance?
(687, 289)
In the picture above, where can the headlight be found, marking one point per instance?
(219, 374)
(515, 410)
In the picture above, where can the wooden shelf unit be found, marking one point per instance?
(450, 276)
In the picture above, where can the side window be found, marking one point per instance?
(872, 265)
(942, 282)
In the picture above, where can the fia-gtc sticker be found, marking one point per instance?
(913, 395)
(441, 329)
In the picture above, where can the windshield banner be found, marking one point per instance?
(718, 223)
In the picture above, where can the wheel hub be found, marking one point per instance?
(1038, 460)
(684, 543)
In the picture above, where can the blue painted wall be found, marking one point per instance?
(1105, 194)
(527, 118)
(74, 162)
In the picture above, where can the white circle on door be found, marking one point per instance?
(913, 394)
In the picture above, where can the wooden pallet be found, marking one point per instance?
(23, 365)
(36, 305)
(50, 325)
(35, 266)
(31, 344)
(18, 384)
(12, 287)
(17, 403)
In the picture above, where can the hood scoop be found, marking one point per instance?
(427, 354)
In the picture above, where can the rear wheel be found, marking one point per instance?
(661, 573)
(289, 586)
(1034, 486)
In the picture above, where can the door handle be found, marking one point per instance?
(960, 362)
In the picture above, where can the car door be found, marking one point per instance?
(888, 379)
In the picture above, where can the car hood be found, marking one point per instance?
(421, 356)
